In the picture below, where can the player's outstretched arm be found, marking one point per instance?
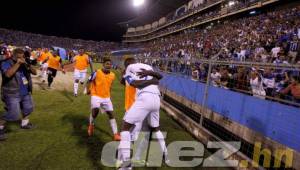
(88, 87)
(144, 83)
(145, 73)
(62, 66)
(89, 83)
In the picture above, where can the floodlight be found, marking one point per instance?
(138, 3)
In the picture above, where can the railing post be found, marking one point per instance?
(206, 91)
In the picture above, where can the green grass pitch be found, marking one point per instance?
(60, 140)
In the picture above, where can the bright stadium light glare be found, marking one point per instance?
(231, 3)
(138, 3)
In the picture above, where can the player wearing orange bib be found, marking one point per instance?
(130, 93)
(44, 55)
(99, 87)
(81, 62)
(44, 65)
(54, 62)
(131, 126)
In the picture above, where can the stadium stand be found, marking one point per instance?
(231, 68)
(262, 42)
(19, 38)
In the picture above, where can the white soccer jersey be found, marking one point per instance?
(131, 75)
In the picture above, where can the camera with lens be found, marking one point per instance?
(28, 59)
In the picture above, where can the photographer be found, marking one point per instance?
(3, 53)
(16, 90)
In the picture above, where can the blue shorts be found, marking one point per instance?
(17, 105)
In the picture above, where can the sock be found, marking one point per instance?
(124, 146)
(50, 80)
(24, 122)
(85, 90)
(44, 75)
(136, 131)
(1, 127)
(114, 126)
(161, 141)
(75, 88)
(119, 157)
(142, 146)
(91, 119)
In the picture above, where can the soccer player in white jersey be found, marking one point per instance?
(146, 106)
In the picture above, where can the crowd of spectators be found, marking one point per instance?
(19, 38)
(277, 84)
(176, 17)
(214, 12)
(271, 37)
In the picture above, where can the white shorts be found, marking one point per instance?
(80, 75)
(44, 66)
(146, 106)
(104, 104)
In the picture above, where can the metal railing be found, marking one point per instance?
(263, 80)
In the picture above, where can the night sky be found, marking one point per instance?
(83, 19)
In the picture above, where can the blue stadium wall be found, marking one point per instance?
(276, 121)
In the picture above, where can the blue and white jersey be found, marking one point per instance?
(132, 75)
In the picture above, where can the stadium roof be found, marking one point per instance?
(153, 11)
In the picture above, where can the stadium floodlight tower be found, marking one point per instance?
(138, 3)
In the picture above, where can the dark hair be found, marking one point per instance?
(18, 51)
(106, 59)
(128, 61)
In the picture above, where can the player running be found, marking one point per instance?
(54, 62)
(99, 87)
(82, 62)
(146, 106)
(44, 65)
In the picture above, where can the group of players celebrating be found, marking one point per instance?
(142, 99)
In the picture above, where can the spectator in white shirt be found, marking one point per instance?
(215, 77)
(257, 85)
(275, 51)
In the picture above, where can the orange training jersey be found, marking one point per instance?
(102, 83)
(54, 62)
(81, 62)
(44, 56)
(130, 93)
